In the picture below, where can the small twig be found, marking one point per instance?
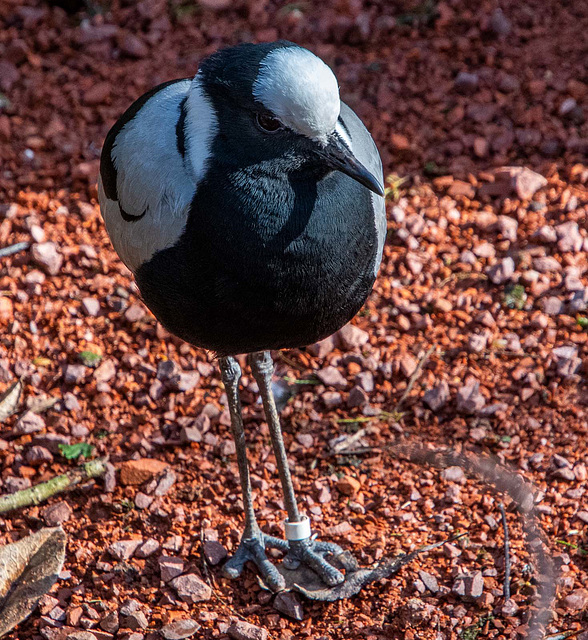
(13, 248)
(506, 588)
(208, 576)
(462, 275)
(413, 378)
(41, 492)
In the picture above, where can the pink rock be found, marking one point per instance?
(148, 548)
(9, 75)
(569, 237)
(507, 227)
(135, 313)
(577, 600)
(546, 264)
(124, 549)
(323, 348)
(47, 256)
(351, 337)
(105, 372)
(331, 399)
(466, 82)
(180, 629)
(408, 365)
(91, 306)
(502, 271)
(74, 373)
(133, 47)
(332, 377)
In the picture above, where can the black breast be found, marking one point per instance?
(281, 266)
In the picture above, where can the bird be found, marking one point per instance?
(248, 203)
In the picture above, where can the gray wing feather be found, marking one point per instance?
(365, 150)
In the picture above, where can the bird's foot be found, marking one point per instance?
(312, 553)
(253, 549)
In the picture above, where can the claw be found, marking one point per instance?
(253, 549)
(312, 553)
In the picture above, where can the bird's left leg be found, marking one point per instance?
(305, 550)
(253, 541)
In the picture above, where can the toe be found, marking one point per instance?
(327, 547)
(327, 572)
(275, 543)
(271, 576)
(234, 566)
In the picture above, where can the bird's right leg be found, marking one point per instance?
(253, 541)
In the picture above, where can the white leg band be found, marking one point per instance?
(297, 530)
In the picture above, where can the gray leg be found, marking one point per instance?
(308, 551)
(253, 542)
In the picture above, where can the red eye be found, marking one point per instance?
(267, 123)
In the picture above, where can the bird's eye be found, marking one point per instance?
(267, 123)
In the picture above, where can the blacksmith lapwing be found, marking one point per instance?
(248, 203)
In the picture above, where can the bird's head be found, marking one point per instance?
(278, 102)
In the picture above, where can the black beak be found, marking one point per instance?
(337, 156)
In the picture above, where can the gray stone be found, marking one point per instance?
(148, 548)
(56, 514)
(29, 422)
(241, 630)
(38, 455)
(74, 373)
(469, 398)
(124, 549)
(214, 552)
(191, 588)
(437, 397)
(357, 397)
(466, 82)
(110, 622)
(170, 567)
(429, 581)
(288, 603)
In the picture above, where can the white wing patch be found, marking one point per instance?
(152, 177)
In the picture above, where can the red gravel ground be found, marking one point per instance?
(485, 269)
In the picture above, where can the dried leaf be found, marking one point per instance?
(9, 400)
(28, 570)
